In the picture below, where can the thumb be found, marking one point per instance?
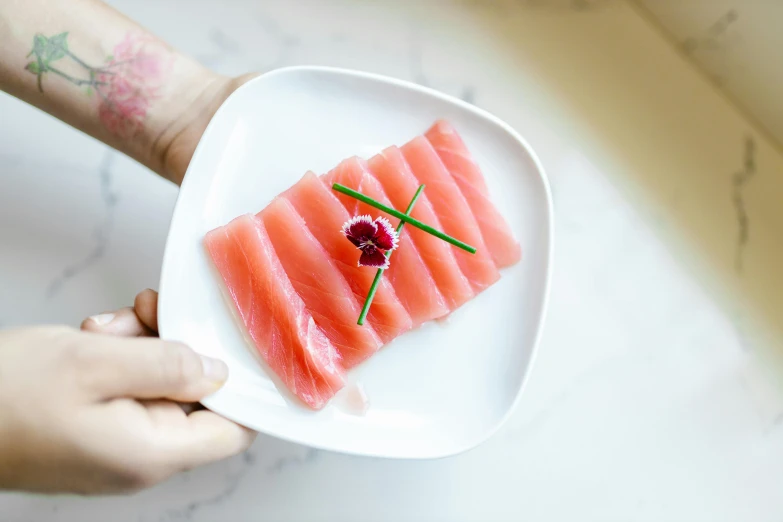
(146, 307)
(123, 322)
(149, 368)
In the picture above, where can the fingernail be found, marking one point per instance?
(214, 369)
(102, 319)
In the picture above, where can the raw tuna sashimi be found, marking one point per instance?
(497, 235)
(292, 271)
(400, 185)
(325, 215)
(408, 273)
(453, 211)
(275, 317)
(319, 282)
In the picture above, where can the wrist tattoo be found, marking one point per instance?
(124, 85)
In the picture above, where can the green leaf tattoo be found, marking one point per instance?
(41, 64)
(39, 45)
(56, 47)
(47, 50)
(33, 67)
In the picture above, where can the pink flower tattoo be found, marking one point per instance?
(373, 238)
(129, 81)
(126, 83)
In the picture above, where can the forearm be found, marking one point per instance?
(93, 68)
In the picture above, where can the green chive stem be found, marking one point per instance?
(403, 217)
(379, 273)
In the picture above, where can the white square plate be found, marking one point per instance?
(433, 392)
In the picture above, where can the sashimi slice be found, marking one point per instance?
(400, 185)
(407, 272)
(273, 314)
(319, 283)
(325, 215)
(452, 209)
(497, 235)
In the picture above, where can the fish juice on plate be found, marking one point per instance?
(304, 272)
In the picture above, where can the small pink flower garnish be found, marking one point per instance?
(373, 238)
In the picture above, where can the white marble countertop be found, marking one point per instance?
(656, 392)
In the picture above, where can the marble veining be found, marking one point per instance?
(575, 6)
(735, 43)
(247, 463)
(283, 463)
(713, 36)
(739, 181)
(232, 479)
(714, 44)
(223, 45)
(465, 91)
(101, 233)
(286, 42)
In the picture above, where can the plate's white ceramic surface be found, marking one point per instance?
(436, 391)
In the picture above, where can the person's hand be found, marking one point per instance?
(87, 412)
(139, 320)
(175, 147)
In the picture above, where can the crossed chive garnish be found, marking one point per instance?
(404, 218)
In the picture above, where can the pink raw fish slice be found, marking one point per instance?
(453, 211)
(497, 235)
(274, 316)
(319, 283)
(408, 273)
(399, 183)
(325, 215)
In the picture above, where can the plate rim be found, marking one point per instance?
(211, 400)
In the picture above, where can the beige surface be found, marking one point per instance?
(604, 79)
(738, 43)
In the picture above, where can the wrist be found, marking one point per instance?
(173, 142)
(189, 92)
